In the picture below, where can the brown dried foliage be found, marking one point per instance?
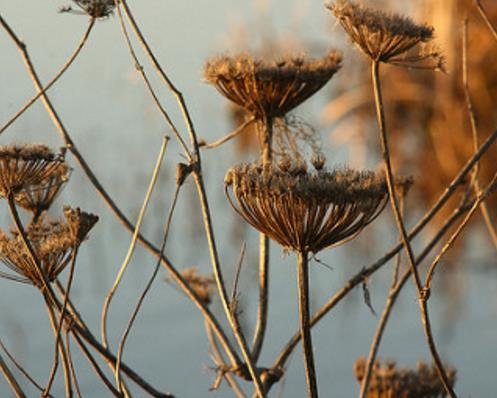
(303, 210)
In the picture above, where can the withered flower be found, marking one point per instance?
(38, 198)
(25, 166)
(93, 8)
(203, 285)
(387, 381)
(53, 243)
(386, 37)
(266, 89)
(306, 211)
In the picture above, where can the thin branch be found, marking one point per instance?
(484, 15)
(129, 254)
(147, 287)
(474, 130)
(71, 364)
(64, 68)
(16, 388)
(240, 129)
(21, 369)
(422, 294)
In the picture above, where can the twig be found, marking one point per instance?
(422, 294)
(219, 361)
(150, 89)
(16, 388)
(474, 130)
(21, 369)
(59, 326)
(238, 270)
(129, 254)
(228, 137)
(64, 68)
(484, 15)
(305, 324)
(71, 364)
(147, 288)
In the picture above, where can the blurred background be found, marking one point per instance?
(117, 128)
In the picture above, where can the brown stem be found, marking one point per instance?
(16, 388)
(484, 15)
(305, 323)
(265, 130)
(59, 74)
(422, 294)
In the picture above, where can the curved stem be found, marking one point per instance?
(265, 131)
(422, 293)
(64, 68)
(16, 388)
(305, 323)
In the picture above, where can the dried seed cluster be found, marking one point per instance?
(387, 381)
(202, 285)
(27, 166)
(385, 37)
(53, 243)
(270, 89)
(303, 210)
(94, 8)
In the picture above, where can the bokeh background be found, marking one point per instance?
(107, 110)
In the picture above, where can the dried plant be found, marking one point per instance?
(93, 8)
(386, 37)
(203, 285)
(53, 243)
(27, 166)
(387, 381)
(305, 210)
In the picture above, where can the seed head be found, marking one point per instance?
(304, 210)
(79, 222)
(38, 198)
(93, 8)
(23, 167)
(387, 381)
(202, 285)
(268, 89)
(386, 37)
(53, 243)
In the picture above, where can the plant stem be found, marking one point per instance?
(422, 293)
(305, 323)
(16, 388)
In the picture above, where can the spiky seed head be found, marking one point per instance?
(80, 223)
(53, 244)
(270, 89)
(93, 8)
(203, 285)
(304, 210)
(386, 37)
(38, 198)
(25, 166)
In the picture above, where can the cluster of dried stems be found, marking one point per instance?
(304, 210)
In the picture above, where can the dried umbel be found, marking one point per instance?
(202, 285)
(53, 244)
(26, 166)
(387, 381)
(38, 198)
(386, 37)
(94, 8)
(266, 89)
(306, 211)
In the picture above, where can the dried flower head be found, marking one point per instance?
(386, 37)
(79, 222)
(53, 243)
(303, 210)
(93, 8)
(38, 198)
(386, 381)
(202, 285)
(26, 166)
(268, 89)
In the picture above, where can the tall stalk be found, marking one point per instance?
(423, 294)
(305, 323)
